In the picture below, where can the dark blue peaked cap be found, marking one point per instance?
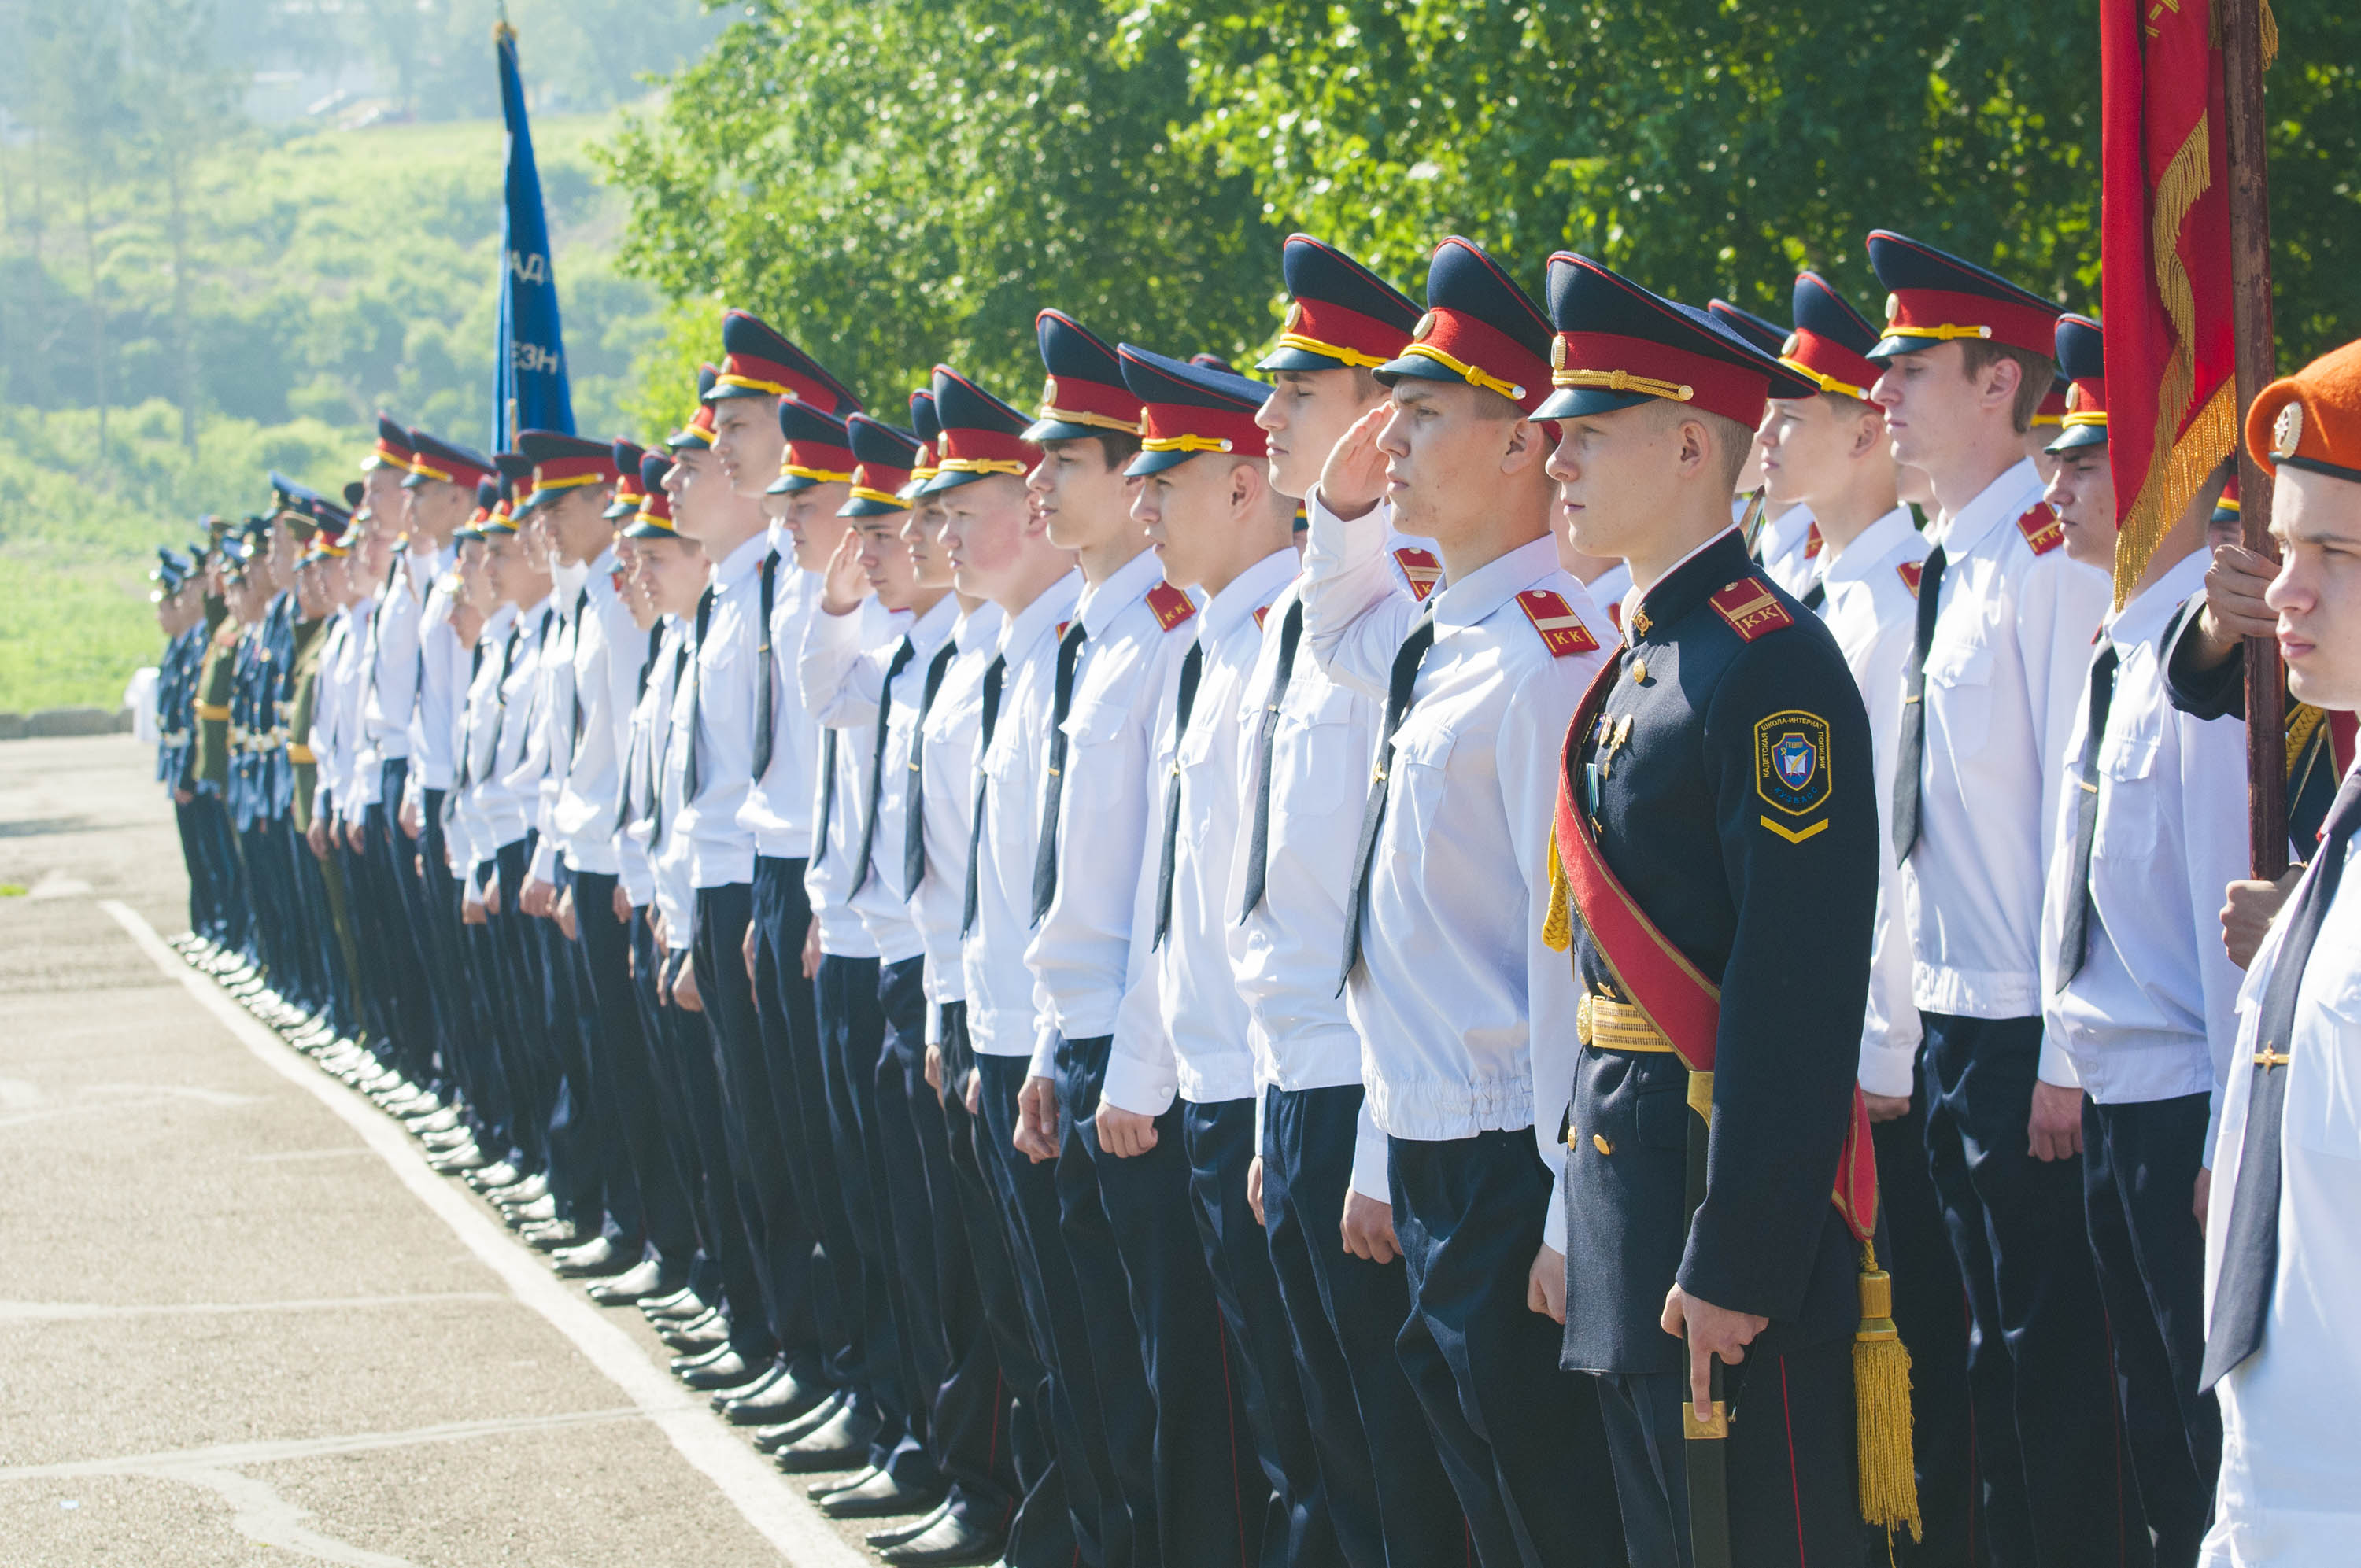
(981, 435)
(819, 450)
(435, 458)
(1480, 327)
(626, 454)
(1934, 297)
(756, 362)
(1831, 340)
(1339, 314)
(922, 415)
(653, 466)
(881, 458)
(1085, 394)
(392, 448)
(2082, 354)
(289, 496)
(1191, 407)
(1761, 331)
(1619, 345)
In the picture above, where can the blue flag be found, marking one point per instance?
(530, 391)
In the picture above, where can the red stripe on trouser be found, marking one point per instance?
(1230, 1410)
(1795, 1487)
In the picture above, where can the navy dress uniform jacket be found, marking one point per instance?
(1734, 800)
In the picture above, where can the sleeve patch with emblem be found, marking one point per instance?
(1791, 771)
(1750, 608)
(2041, 528)
(1562, 631)
(1170, 605)
(1910, 572)
(1420, 570)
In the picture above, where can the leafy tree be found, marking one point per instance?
(895, 182)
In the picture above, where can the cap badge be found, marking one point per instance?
(1893, 306)
(1557, 352)
(2286, 434)
(1294, 315)
(1049, 391)
(1424, 329)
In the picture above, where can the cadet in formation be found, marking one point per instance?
(887, 900)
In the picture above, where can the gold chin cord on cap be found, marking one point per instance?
(1186, 444)
(751, 385)
(1467, 372)
(1329, 350)
(1624, 381)
(1826, 383)
(979, 466)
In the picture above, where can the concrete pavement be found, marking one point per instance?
(240, 1322)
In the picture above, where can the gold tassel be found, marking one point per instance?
(1557, 926)
(1881, 1384)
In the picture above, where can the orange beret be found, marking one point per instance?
(2312, 420)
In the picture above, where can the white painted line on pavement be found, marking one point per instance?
(83, 1311)
(741, 1475)
(237, 1455)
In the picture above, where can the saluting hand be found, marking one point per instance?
(1712, 1332)
(1354, 479)
(845, 585)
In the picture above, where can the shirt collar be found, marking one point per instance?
(2143, 620)
(1870, 548)
(1249, 591)
(928, 629)
(1784, 533)
(978, 628)
(1473, 599)
(2005, 500)
(1695, 577)
(1053, 604)
(1129, 584)
(741, 564)
(497, 624)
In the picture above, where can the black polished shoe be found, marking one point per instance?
(594, 1259)
(896, 1534)
(541, 1210)
(770, 1440)
(460, 1161)
(821, 1488)
(728, 1370)
(699, 1358)
(782, 1399)
(642, 1279)
(951, 1543)
(770, 1375)
(841, 1442)
(551, 1234)
(880, 1497)
(682, 1306)
(499, 1174)
(531, 1190)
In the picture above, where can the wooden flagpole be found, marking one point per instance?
(2250, 283)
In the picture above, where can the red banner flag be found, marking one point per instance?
(2172, 415)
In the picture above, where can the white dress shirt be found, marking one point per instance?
(468, 834)
(1082, 951)
(1454, 969)
(778, 809)
(1187, 1028)
(644, 756)
(1003, 1005)
(2151, 1014)
(1872, 612)
(390, 695)
(442, 676)
(2290, 1448)
(721, 693)
(1789, 547)
(508, 799)
(553, 710)
(332, 704)
(352, 718)
(2011, 654)
(672, 847)
(948, 787)
(608, 654)
(843, 674)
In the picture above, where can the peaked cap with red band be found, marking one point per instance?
(435, 460)
(1085, 394)
(562, 462)
(487, 496)
(882, 456)
(1480, 328)
(2081, 349)
(756, 362)
(2312, 420)
(516, 493)
(653, 520)
(1934, 297)
(1761, 331)
(1192, 408)
(625, 455)
(698, 433)
(1618, 345)
(1832, 341)
(1339, 314)
(929, 431)
(981, 435)
(2051, 410)
(819, 450)
(392, 448)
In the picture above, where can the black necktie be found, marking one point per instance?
(827, 794)
(581, 603)
(1053, 786)
(1815, 597)
(2242, 1297)
(993, 674)
(2072, 937)
(655, 811)
(764, 718)
(467, 761)
(1399, 687)
(902, 655)
(626, 808)
(1910, 747)
(696, 694)
(1290, 634)
(1192, 667)
(914, 829)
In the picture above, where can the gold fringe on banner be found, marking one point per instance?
(2267, 24)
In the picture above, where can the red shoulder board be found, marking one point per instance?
(1562, 631)
(1910, 572)
(1615, 613)
(2041, 529)
(1171, 606)
(1260, 611)
(1750, 608)
(1421, 568)
(1812, 542)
